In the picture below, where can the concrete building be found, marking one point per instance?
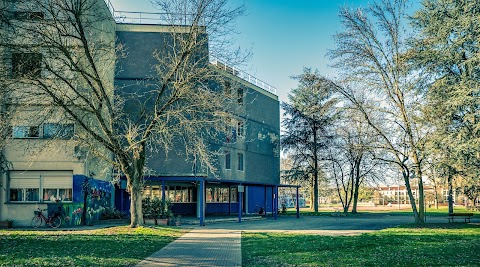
(46, 169)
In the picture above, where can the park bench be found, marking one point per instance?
(465, 215)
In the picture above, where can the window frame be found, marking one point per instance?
(40, 190)
(228, 159)
(240, 162)
(25, 67)
(26, 132)
(240, 95)
(240, 128)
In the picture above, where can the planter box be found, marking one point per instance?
(6, 224)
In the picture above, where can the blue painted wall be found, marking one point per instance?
(256, 198)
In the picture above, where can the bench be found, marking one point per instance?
(465, 215)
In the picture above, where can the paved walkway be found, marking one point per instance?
(200, 247)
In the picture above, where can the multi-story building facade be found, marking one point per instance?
(47, 168)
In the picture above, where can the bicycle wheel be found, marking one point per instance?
(55, 222)
(37, 222)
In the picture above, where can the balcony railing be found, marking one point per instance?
(243, 75)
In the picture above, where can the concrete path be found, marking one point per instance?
(200, 247)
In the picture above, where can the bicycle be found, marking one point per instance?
(39, 219)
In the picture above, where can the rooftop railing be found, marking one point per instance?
(130, 17)
(243, 75)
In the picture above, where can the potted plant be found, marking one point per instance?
(6, 224)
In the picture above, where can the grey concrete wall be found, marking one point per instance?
(260, 111)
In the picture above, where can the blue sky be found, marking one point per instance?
(284, 35)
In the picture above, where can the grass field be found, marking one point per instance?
(327, 211)
(432, 245)
(115, 246)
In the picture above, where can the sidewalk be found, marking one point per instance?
(200, 247)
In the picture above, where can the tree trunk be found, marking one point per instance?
(450, 192)
(410, 195)
(135, 186)
(420, 218)
(357, 184)
(315, 170)
(311, 194)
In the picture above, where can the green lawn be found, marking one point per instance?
(435, 245)
(115, 246)
(441, 211)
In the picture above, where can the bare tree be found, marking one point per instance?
(75, 42)
(370, 52)
(351, 157)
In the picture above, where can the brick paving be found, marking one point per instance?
(200, 247)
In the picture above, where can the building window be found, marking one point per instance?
(24, 194)
(233, 194)
(47, 131)
(25, 132)
(227, 89)
(25, 186)
(240, 128)
(240, 96)
(228, 161)
(175, 194)
(54, 194)
(26, 65)
(60, 131)
(217, 194)
(240, 161)
(28, 15)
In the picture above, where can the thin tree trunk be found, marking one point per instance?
(315, 171)
(420, 218)
(311, 194)
(450, 192)
(357, 184)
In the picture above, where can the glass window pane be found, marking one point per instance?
(20, 131)
(49, 194)
(156, 191)
(55, 130)
(32, 194)
(228, 164)
(240, 96)
(65, 194)
(240, 161)
(233, 194)
(16, 194)
(209, 194)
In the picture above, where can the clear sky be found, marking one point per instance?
(284, 35)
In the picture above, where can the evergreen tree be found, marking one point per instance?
(307, 125)
(446, 51)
